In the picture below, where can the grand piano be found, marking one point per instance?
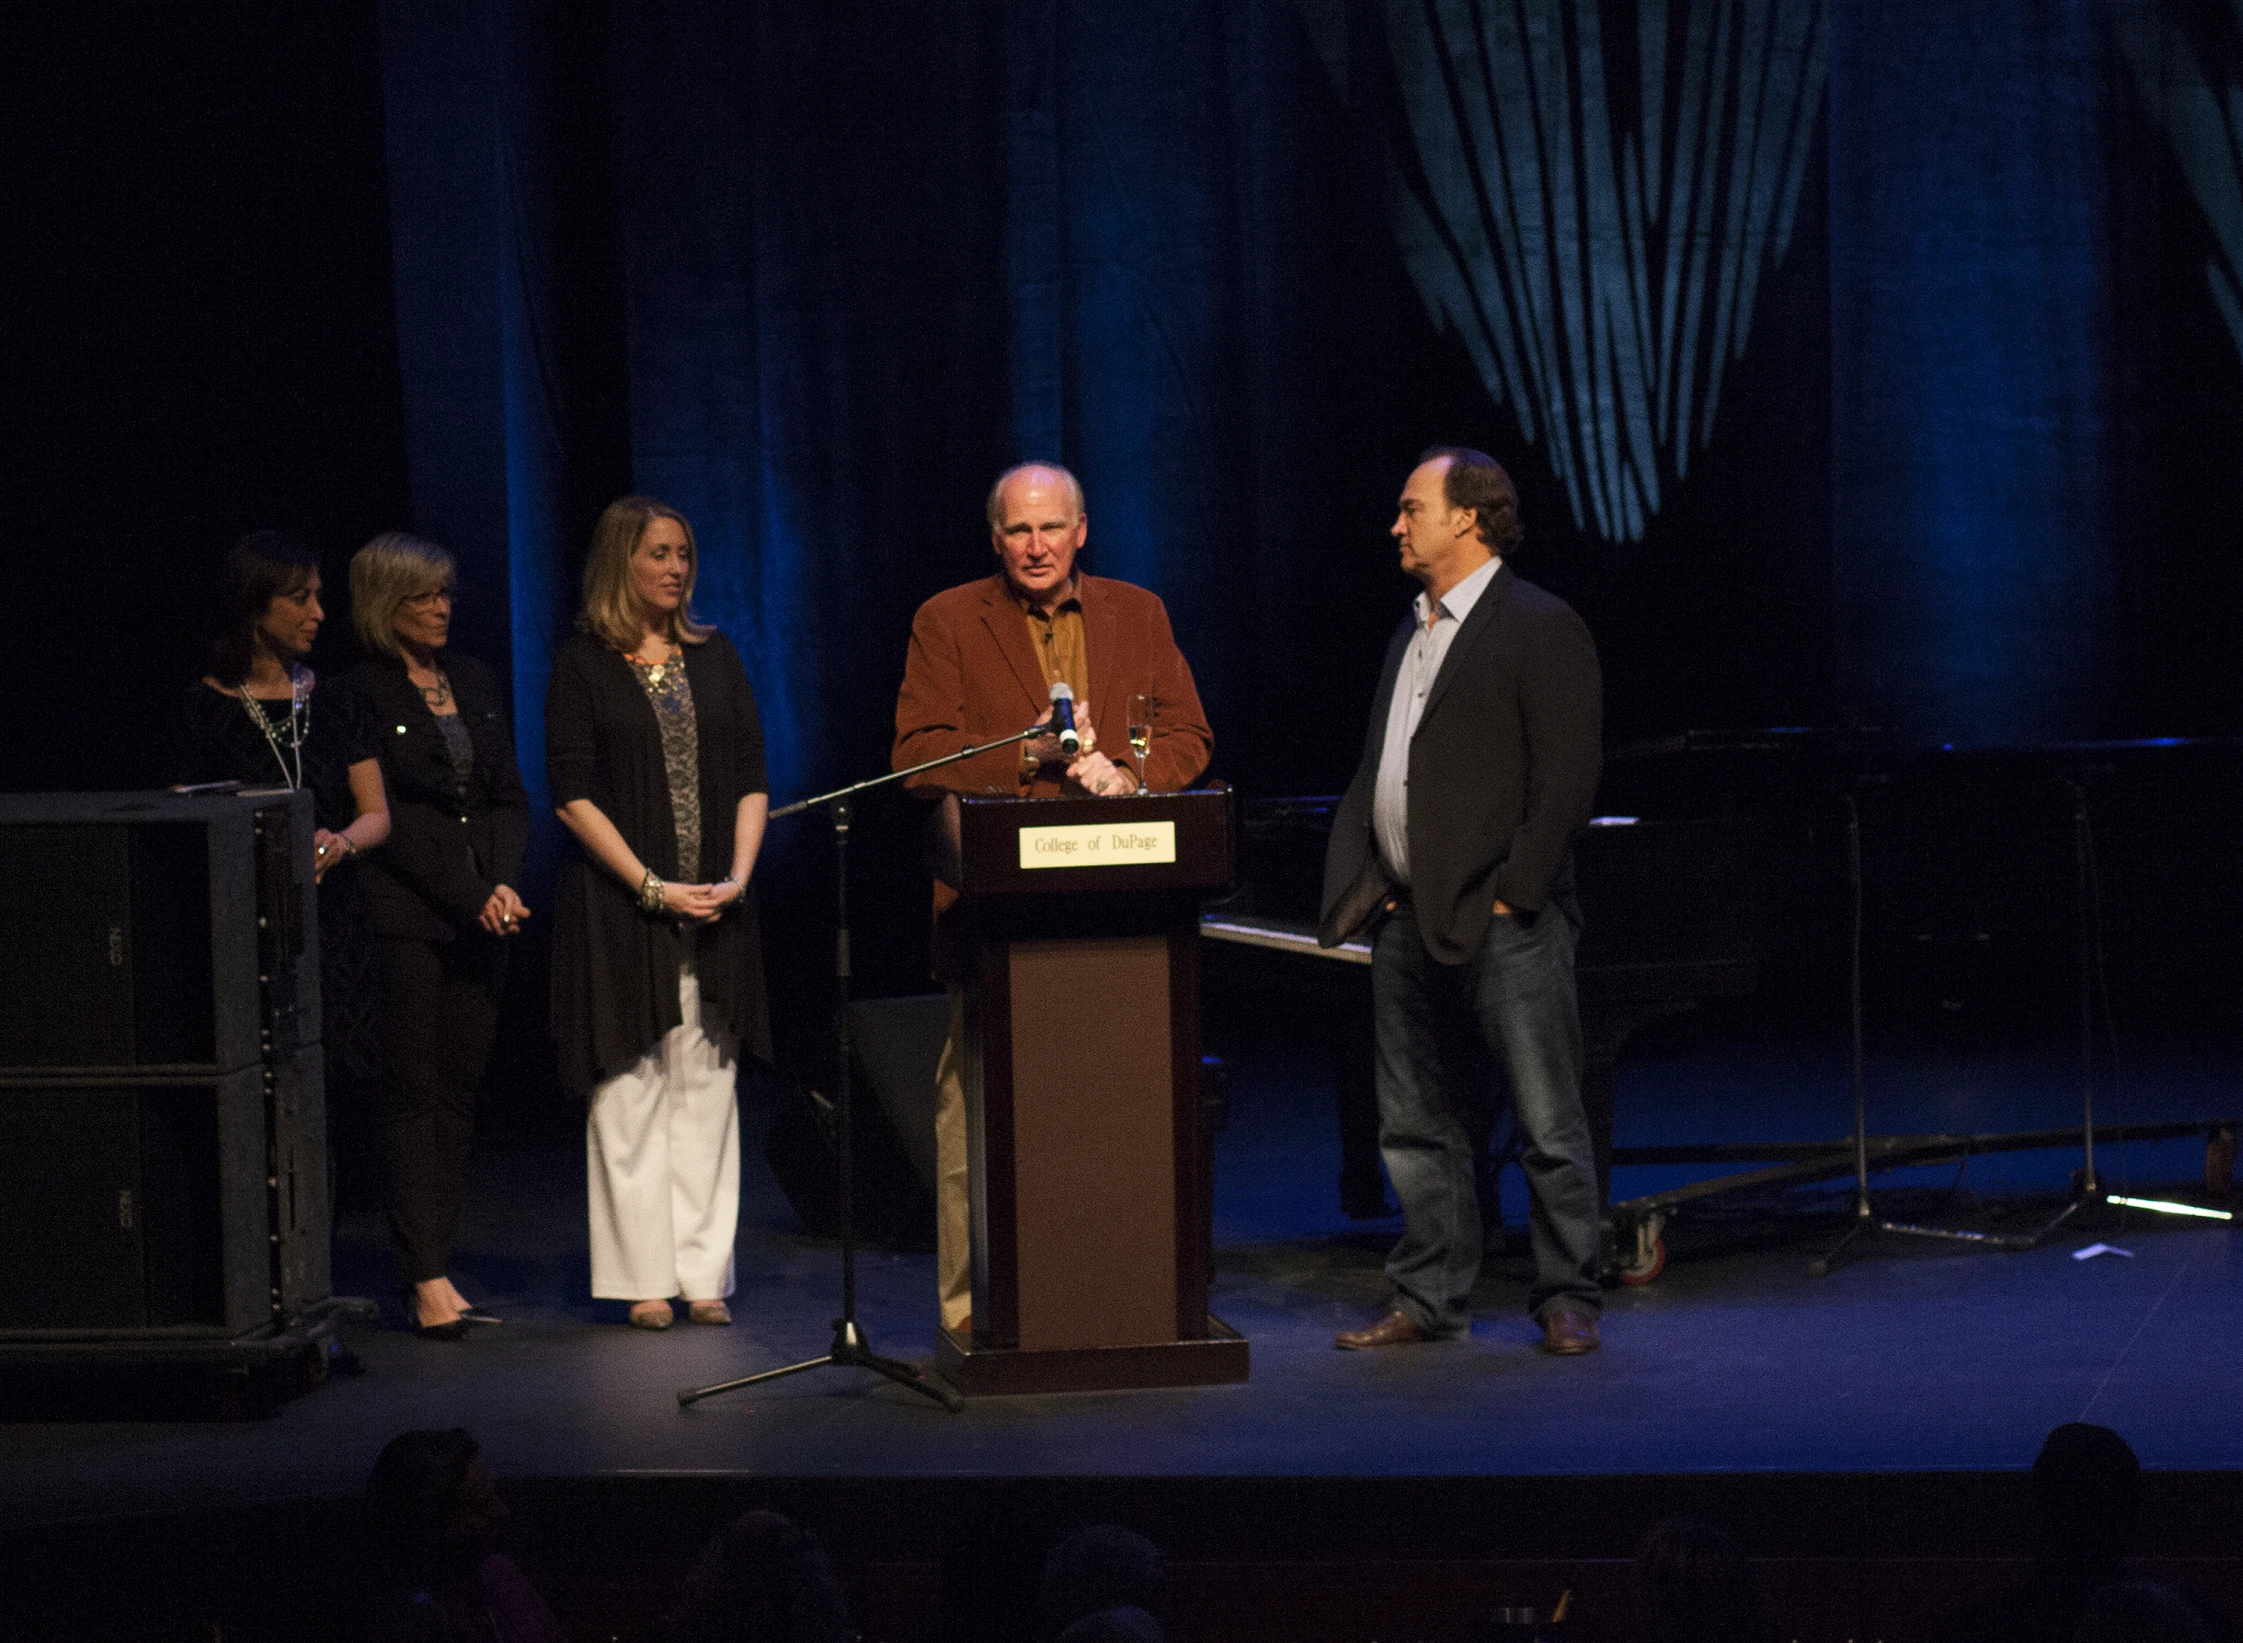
(1718, 867)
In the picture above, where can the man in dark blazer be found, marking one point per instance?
(1453, 844)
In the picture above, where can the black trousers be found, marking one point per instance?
(436, 1013)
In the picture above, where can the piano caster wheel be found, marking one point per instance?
(2219, 1163)
(1647, 1253)
(1646, 1266)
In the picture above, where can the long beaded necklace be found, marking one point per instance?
(299, 724)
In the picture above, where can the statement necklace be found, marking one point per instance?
(439, 695)
(299, 724)
(657, 673)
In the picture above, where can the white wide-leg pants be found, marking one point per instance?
(662, 1150)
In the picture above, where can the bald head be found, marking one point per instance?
(1036, 525)
(1038, 473)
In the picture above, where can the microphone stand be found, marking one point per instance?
(850, 1349)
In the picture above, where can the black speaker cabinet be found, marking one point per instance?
(155, 931)
(163, 1158)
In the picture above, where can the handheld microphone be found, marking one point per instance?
(1063, 718)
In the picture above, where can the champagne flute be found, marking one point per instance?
(1141, 733)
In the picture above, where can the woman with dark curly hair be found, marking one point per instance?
(258, 718)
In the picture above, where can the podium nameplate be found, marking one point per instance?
(1099, 844)
(1180, 842)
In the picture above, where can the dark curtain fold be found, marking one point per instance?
(1971, 159)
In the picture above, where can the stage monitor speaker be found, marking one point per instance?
(130, 1207)
(153, 931)
(163, 1149)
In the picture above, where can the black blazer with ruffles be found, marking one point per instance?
(615, 968)
(443, 859)
(1503, 772)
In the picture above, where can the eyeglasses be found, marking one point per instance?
(429, 601)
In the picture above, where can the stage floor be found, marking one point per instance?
(1912, 1358)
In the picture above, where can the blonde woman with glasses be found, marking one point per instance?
(440, 900)
(654, 753)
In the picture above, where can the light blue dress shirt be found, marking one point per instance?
(1421, 665)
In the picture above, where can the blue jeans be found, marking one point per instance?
(1519, 995)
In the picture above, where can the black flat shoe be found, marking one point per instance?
(456, 1330)
(476, 1315)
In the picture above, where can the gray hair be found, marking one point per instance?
(996, 504)
(394, 567)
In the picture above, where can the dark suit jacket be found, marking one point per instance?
(972, 676)
(1503, 773)
(442, 860)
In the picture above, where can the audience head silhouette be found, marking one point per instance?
(1100, 1568)
(1115, 1626)
(433, 1511)
(2087, 1488)
(767, 1579)
(1694, 1583)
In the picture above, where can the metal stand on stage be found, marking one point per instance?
(2089, 1189)
(849, 1349)
(1867, 1223)
(2087, 1186)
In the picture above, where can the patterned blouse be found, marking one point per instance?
(460, 749)
(672, 698)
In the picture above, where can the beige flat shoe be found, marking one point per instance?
(651, 1315)
(709, 1312)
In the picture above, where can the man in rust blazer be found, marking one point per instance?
(983, 659)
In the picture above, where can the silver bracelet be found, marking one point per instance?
(650, 893)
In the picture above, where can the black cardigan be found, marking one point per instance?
(429, 882)
(615, 969)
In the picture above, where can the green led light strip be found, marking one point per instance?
(2163, 1207)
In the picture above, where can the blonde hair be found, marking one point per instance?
(389, 570)
(610, 609)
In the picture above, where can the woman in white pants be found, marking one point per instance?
(655, 758)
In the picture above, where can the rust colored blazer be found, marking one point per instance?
(972, 676)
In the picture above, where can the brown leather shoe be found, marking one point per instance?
(1567, 1333)
(1395, 1329)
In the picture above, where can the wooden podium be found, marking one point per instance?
(1090, 1167)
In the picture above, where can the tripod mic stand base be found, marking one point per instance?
(849, 1351)
(1867, 1225)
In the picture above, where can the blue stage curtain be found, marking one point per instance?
(867, 255)
(1971, 298)
(474, 274)
(874, 259)
(867, 258)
